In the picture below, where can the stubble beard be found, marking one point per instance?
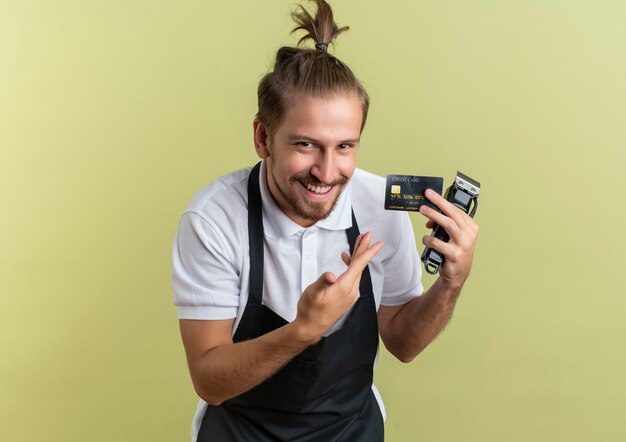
(306, 209)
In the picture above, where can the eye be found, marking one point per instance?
(304, 144)
(344, 146)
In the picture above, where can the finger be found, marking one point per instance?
(351, 276)
(430, 224)
(445, 248)
(345, 258)
(361, 243)
(358, 262)
(452, 211)
(444, 221)
(319, 288)
(366, 239)
(357, 243)
(325, 280)
(472, 224)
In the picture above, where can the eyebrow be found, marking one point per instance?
(296, 137)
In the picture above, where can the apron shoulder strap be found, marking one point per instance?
(255, 235)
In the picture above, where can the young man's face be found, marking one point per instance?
(312, 154)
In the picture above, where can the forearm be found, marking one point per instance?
(421, 320)
(231, 369)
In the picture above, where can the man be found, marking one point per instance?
(281, 300)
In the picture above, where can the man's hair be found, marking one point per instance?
(313, 72)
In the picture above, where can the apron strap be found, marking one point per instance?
(255, 235)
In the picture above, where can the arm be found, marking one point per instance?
(407, 329)
(221, 369)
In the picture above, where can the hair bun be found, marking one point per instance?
(322, 28)
(309, 71)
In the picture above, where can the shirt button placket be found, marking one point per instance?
(309, 257)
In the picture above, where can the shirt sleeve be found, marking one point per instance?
(205, 280)
(403, 269)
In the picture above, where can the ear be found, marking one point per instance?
(261, 139)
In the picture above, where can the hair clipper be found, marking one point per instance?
(463, 194)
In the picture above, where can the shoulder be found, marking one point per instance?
(210, 250)
(226, 192)
(218, 213)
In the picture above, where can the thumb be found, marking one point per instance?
(317, 289)
(325, 280)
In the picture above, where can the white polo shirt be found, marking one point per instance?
(211, 254)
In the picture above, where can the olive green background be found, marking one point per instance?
(113, 113)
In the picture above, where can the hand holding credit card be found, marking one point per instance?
(406, 192)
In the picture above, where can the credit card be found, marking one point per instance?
(406, 192)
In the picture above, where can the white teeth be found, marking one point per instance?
(318, 189)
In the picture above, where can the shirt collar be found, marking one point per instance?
(276, 224)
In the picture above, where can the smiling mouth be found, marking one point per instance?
(320, 190)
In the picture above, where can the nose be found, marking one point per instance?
(325, 168)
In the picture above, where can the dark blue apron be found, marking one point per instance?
(324, 393)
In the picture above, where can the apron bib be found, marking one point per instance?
(322, 394)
